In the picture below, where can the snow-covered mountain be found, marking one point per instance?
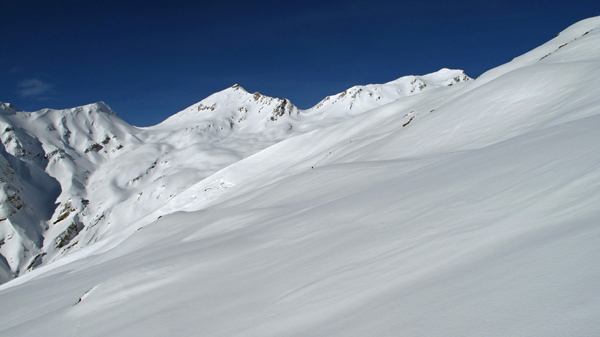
(47, 159)
(92, 170)
(429, 205)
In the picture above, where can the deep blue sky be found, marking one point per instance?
(150, 59)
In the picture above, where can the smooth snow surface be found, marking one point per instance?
(427, 206)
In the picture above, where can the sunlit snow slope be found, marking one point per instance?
(71, 178)
(468, 209)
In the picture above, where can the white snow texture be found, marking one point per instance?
(431, 205)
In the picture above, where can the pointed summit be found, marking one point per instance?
(233, 108)
(237, 87)
(102, 107)
(7, 107)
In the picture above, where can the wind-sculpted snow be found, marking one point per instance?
(430, 205)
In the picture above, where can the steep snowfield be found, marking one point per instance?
(47, 158)
(469, 209)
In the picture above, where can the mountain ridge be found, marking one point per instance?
(81, 147)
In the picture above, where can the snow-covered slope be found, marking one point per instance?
(47, 158)
(415, 207)
(361, 98)
(103, 175)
